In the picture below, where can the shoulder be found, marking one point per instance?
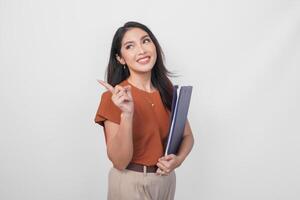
(106, 96)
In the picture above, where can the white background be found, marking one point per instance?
(242, 57)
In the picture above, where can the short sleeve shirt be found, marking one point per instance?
(151, 121)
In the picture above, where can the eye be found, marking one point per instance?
(128, 46)
(147, 40)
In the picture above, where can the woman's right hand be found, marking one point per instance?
(121, 96)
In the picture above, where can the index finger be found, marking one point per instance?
(107, 85)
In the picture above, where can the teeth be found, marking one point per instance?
(143, 60)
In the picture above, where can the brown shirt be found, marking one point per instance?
(150, 123)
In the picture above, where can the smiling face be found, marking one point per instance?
(138, 51)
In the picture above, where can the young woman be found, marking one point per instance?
(135, 114)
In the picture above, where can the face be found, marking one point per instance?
(138, 51)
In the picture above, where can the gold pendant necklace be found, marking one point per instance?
(150, 102)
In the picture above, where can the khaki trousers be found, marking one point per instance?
(132, 185)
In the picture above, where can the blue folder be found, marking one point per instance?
(180, 106)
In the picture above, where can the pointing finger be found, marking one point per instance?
(106, 85)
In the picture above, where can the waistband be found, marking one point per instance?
(142, 168)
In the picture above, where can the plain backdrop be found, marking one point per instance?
(242, 57)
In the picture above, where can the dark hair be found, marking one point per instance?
(159, 75)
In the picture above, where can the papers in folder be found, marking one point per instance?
(180, 106)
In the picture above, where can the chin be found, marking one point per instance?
(145, 68)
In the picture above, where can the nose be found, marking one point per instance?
(141, 49)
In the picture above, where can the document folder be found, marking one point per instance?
(180, 106)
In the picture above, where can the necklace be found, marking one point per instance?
(150, 102)
(146, 96)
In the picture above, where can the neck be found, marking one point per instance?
(142, 82)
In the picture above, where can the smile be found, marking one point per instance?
(144, 60)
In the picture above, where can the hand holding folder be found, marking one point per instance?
(180, 106)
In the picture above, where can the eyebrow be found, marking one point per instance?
(132, 41)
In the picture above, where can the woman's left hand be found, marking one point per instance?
(167, 164)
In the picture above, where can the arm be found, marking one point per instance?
(168, 163)
(119, 141)
(187, 143)
(119, 137)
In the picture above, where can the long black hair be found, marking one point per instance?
(116, 73)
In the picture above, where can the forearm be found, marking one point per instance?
(185, 147)
(120, 147)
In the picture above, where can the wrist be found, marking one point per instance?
(180, 160)
(127, 114)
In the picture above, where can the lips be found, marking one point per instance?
(144, 59)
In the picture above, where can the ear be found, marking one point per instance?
(121, 60)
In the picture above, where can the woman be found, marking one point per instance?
(135, 114)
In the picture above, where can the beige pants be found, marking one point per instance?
(131, 185)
